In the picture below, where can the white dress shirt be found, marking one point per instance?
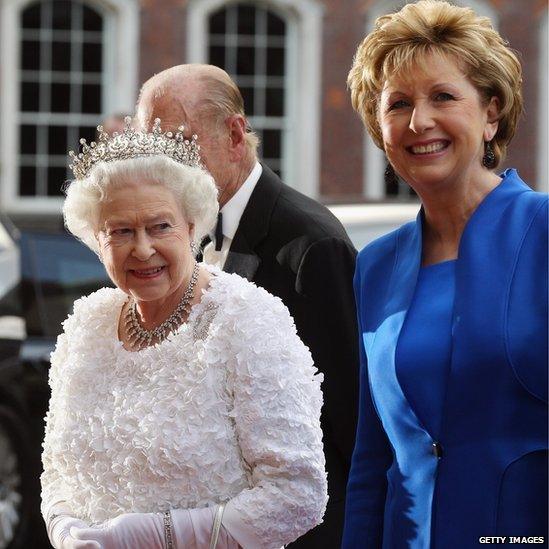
(232, 212)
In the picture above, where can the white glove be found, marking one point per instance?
(193, 528)
(190, 529)
(59, 533)
(127, 531)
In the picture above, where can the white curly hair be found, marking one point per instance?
(194, 190)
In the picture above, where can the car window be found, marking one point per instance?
(56, 269)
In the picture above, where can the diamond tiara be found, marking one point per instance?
(132, 143)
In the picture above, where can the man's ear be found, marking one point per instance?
(236, 124)
(492, 119)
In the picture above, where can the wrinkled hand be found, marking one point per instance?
(61, 538)
(127, 531)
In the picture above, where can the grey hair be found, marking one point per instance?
(194, 190)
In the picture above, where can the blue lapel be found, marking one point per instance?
(407, 264)
(411, 443)
(381, 344)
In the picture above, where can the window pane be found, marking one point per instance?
(274, 102)
(61, 14)
(87, 132)
(275, 25)
(245, 60)
(30, 18)
(92, 20)
(61, 56)
(56, 180)
(246, 19)
(76, 97)
(57, 140)
(275, 61)
(91, 58)
(27, 139)
(30, 97)
(60, 97)
(217, 22)
(271, 143)
(248, 96)
(217, 56)
(27, 180)
(91, 98)
(30, 55)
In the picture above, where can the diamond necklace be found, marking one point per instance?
(139, 337)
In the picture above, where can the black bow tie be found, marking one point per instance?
(218, 235)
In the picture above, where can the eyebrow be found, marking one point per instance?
(432, 86)
(160, 217)
(148, 220)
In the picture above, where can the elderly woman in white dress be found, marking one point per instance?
(184, 410)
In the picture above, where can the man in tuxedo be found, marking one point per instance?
(281, 240)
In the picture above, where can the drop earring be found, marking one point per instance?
(391, 179)
(489, 158)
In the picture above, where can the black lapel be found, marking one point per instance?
(253, 226)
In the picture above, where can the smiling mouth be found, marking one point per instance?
(147, 273)
(430, 148)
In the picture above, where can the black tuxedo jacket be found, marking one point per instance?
(296, 249)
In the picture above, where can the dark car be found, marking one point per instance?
(56, 269)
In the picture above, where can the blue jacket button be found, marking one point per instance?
(437, 449)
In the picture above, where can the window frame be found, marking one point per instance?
(301, 146)
(121, 28)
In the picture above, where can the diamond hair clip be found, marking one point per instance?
(132, 143)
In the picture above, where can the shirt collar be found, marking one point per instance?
(234, 208)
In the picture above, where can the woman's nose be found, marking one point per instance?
(422, 119)
(143, 247)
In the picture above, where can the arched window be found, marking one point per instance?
(59, 70)
(375, 163)
(249, 42)
(272, 51)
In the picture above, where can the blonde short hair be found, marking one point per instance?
(402, 40)
(193, 188)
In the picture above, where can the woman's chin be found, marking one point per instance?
(147, 294)
(428, 177)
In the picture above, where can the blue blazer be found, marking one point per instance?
(487, 474)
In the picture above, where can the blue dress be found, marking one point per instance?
(424, 347)
(479, 469)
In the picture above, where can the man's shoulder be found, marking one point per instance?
(297, 214)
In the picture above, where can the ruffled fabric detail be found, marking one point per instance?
(226, 410)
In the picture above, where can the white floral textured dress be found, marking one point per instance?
(226, 410)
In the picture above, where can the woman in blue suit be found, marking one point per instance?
(452, 437)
